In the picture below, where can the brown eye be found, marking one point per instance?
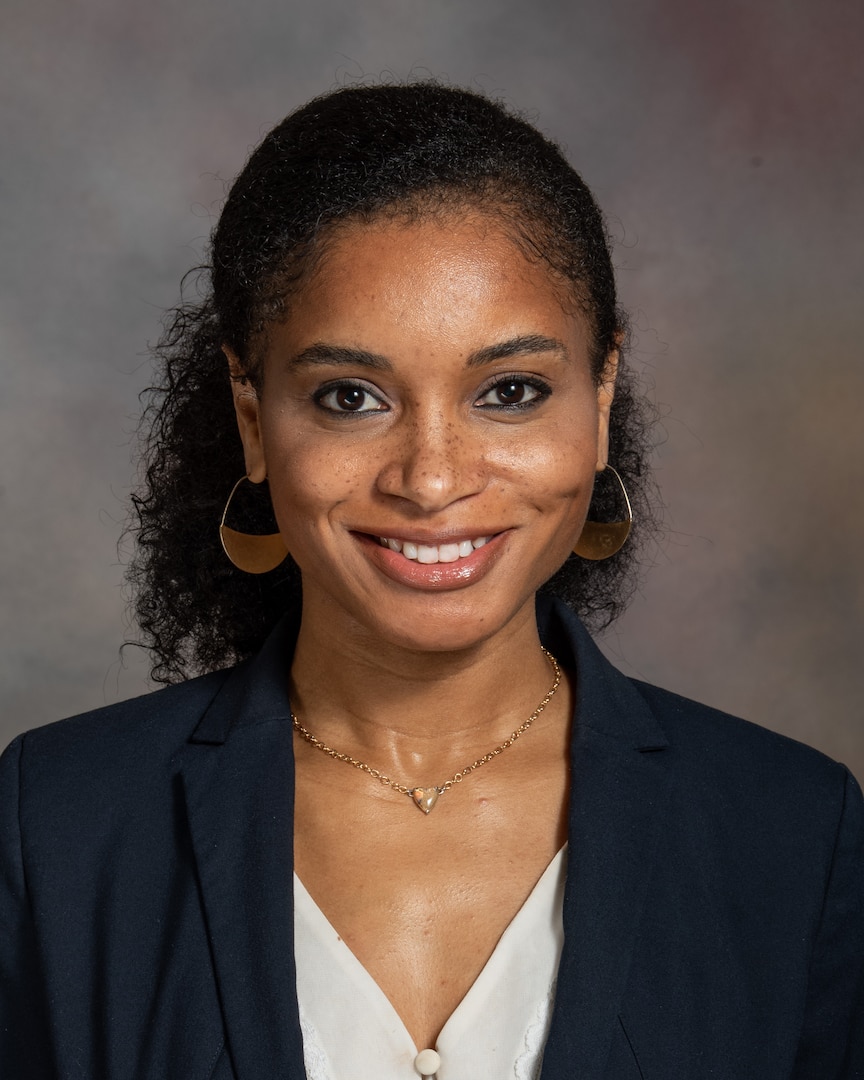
(348, 398)
(510, 393)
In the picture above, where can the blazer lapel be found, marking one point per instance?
(238, 778)
(618, 804)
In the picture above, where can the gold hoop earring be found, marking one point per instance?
(250, 552)
(602, 539)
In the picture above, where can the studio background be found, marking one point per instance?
(723, 140)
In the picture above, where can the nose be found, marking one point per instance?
(432, 463)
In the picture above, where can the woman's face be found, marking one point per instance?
(430, 429)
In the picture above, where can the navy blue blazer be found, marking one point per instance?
(714, 907)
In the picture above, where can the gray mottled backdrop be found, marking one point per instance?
(724, 141)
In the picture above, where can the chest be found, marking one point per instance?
(422, 900)
(498, 1028)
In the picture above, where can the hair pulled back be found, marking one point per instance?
(360, 152)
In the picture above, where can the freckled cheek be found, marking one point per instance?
(306, 487)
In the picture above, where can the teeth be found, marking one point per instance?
(439, 553)
(448, 552)
(424, 554)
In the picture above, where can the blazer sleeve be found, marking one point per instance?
(25, 1042)
(832, 1037)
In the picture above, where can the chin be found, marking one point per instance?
(448, 625)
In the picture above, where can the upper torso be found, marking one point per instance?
(712, 912)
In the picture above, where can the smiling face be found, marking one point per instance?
(430, 428)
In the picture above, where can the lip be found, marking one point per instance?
(433, 576)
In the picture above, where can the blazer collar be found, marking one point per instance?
(607, 701)
(238, 778)
(254, 691)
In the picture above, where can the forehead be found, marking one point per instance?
(451, 276)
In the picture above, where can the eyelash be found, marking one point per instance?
(345, 384)
(540, 388)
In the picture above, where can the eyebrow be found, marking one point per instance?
(525, 344)
(321, 353)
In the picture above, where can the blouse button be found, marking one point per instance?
(427, 1063)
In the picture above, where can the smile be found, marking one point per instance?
(434, 553)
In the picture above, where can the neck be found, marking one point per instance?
(407, 708)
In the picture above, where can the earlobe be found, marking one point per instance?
(247, 409)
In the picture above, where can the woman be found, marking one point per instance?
(421, 827)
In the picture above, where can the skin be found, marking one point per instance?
(380, 414)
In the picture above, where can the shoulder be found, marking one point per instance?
(109, 753)
(700, 733)
(162, 715)
(716, 758)
(732, 774)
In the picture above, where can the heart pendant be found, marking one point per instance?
(425, 797)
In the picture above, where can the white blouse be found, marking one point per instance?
(352, 1032)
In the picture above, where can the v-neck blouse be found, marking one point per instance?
(350, 1029)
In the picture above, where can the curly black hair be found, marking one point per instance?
(348, 156)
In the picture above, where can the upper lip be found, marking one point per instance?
(429, 538)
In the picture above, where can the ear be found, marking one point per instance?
(247, 406)
(605, 397)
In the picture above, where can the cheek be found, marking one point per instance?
(552, 470)
(307, 480)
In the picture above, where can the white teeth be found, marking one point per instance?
(430, 554)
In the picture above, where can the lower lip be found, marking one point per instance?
(432, 576)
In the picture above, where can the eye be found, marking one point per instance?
(349, 398)
(511, 392)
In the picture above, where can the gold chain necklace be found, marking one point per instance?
(426, 797)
